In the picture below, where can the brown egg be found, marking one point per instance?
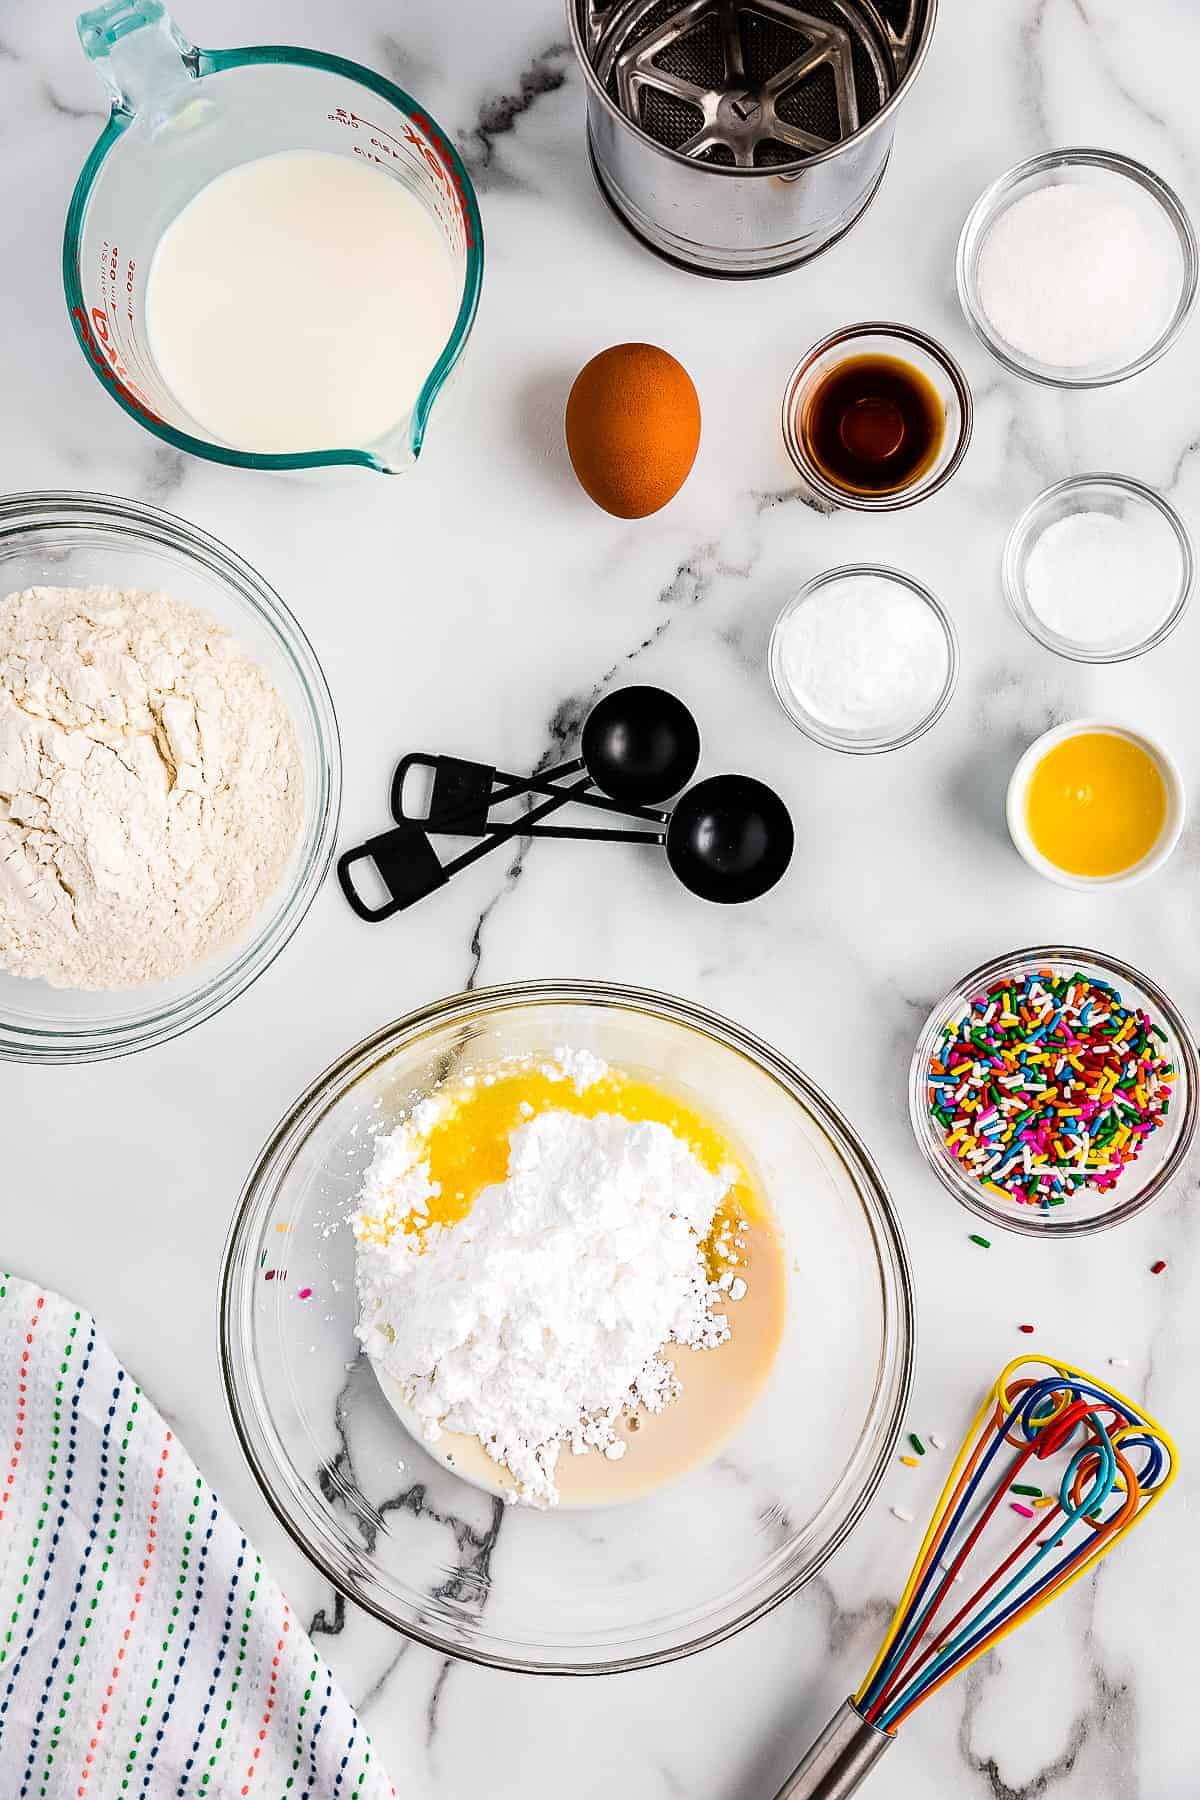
(633, 429)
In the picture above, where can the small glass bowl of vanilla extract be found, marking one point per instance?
(877, 417)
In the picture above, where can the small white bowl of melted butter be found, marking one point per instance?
(586, 1267)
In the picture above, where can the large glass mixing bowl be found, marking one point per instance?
(97, 540)
(568, 1591)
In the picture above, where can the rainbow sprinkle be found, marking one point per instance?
(1049, 1085)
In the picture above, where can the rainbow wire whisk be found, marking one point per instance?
(1057, 1468)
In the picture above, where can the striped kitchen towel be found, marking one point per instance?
(145, 1653)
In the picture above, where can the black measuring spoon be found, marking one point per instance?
(728, 839)
(638, 744)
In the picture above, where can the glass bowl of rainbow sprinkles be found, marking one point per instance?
(1053, 1091)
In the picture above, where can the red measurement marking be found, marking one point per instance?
(443, 149)
(106, 360)
(433, 150)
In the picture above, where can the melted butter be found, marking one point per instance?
(1096, 804)
(467, 1146)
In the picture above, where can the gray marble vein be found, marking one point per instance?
(480, 604)
(500, 114)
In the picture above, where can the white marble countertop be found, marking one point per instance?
(478, 603)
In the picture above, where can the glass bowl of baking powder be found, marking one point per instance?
(92, 542)
(570, 1590)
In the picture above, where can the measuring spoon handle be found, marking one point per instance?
(592, 834)
(500, 834)
(464, 793)
(409, 867)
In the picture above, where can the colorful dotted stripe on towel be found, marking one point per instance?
(158, 1657)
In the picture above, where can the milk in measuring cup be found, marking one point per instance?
(298, 302)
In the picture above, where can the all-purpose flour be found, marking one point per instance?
(151, 786)
(536, 1320)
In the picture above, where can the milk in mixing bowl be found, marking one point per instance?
(298, 302)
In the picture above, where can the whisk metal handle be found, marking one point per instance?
(844, 1754)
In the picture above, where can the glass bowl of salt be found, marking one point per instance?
(1098, 568)
(1077, 268)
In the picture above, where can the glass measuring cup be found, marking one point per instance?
(182, 116)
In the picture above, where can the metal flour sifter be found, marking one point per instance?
(742, 137)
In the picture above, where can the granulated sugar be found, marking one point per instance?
(538, 1319)
(1070, 276)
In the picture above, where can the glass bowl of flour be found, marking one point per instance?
(170, 775)
(585, 1586)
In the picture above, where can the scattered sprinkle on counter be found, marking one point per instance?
(1156, 1268)
(905, 1518)
(1026, 1512)
(937, 1442)
(984, 1243)
(911, 1462)
(304, 1294)
(1027, 1329)
(1049, 1085)
(916, 1443)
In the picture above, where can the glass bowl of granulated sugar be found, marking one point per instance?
(1077, 268)
(170, 776)
(585, 1580)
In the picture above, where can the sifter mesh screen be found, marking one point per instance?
(669, 121)
(768, 45)
(696, 55)
(670, 63)
(812, 105)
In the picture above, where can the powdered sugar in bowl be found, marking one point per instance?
(863, 659)
(171, 776)
(566, 1590)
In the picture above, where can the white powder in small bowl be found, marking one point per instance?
(863, 656)
(1071, 276)
(1102, 580)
